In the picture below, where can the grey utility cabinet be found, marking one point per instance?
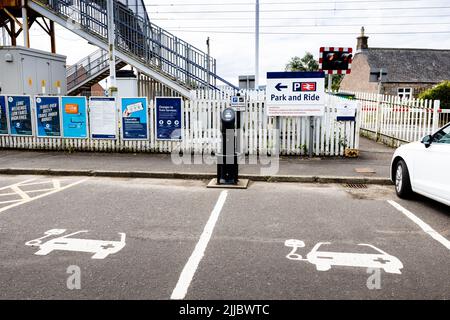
(27, 71)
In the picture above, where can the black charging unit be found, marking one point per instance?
(227, 162)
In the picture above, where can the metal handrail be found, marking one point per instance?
(84, 69)
(140, 39)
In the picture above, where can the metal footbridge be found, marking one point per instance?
(138, 42)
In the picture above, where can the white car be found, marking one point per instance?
(424, 167)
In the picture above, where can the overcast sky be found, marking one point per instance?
(230, 26)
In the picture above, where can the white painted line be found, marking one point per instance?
(41, 195)
(17, 184)
(8, 194)
(36, 183)
(425, 227)
(10, 201)
(21, 193)
(56, 184)
(39, 190)
(191, 266)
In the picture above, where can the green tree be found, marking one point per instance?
(439, 92)
(335, 81)
(307, 63)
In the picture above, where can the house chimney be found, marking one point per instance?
(362, 42)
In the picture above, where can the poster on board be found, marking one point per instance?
(3, 116)
(134, 118)
(48, 117)
(19, 111)
(169, 112)
(103, 117)
(74, 117)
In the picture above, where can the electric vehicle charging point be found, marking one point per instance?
(227, 160)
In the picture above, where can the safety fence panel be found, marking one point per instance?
(398, 119)
(259, 134)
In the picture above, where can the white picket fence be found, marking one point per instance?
(389, 118)
(201, 134)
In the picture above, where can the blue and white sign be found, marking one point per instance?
(346, 110)
(74, 117)
(19, 111)
(134, 118)
(169, 112)
(238, 103)
(103, 117)
(295, 94)
(48, 117)
(3, 116)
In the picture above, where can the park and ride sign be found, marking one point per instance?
(295, 94)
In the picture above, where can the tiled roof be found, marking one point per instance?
(410, 65)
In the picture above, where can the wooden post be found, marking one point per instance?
(25, 25)
(13, 33)
(52, 37)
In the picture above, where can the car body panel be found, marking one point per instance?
(427, 167)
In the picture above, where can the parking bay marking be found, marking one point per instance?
(425, 227)
(191, 266)
(100, 248)
(323, 260)
(23, 200)
(16, 184)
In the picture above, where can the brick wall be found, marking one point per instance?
(358, 79)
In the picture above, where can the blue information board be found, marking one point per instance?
(74, 117)
(134, 118)
(19, 110)
(3, 116)
(168, 118)
(48, 117)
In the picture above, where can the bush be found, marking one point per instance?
(439, 92)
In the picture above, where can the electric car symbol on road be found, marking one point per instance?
(100, 248)
(324, 260)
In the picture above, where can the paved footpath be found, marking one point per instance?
(373, 163)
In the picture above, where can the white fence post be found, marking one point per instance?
(378, 116)
(436, 108)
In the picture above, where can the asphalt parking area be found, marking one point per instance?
(161, 221)
(246, 256)
(176, 235)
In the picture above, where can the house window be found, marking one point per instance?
(405, 93)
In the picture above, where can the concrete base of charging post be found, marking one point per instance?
(241, 184)
(227, 172)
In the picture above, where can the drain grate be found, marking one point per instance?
(355, 186)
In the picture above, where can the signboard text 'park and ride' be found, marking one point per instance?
(295, 94)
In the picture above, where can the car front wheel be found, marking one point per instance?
(402, 181)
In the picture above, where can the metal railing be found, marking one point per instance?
(140, 39)
(94, 64)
